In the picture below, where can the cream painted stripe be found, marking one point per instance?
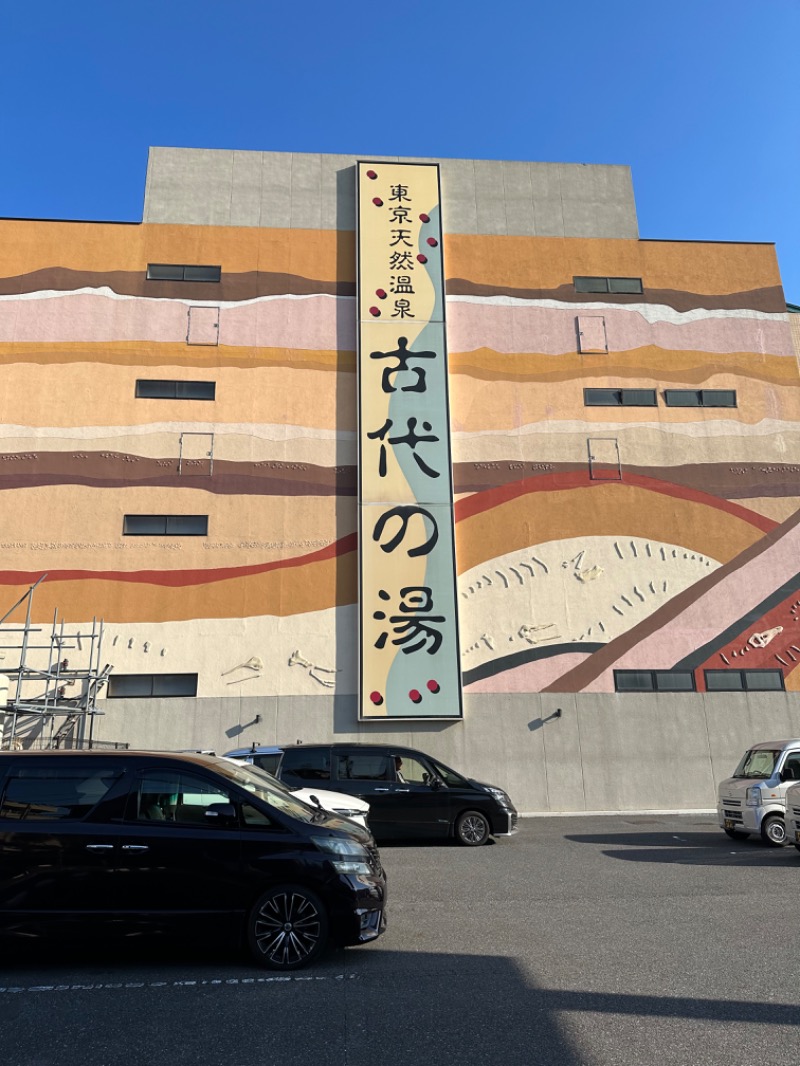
(105, 291)
(699, 429)
(652, 312)
(649, 311)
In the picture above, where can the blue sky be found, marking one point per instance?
(700, 97)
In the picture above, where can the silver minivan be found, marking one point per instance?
(754, 799)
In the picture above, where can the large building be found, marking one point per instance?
(181, 457)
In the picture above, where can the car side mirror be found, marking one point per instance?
(221, 813)
(436, 783)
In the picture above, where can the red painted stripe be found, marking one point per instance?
(579, 479)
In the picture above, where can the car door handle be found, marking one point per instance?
(99, 847)
(402, 790)
(135, 847)
(382, 790)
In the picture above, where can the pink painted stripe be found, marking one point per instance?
(552, 331)
(711, 613)
(531, 677)
(325, 323)
(311, 323)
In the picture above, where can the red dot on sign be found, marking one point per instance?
(376, 698)
(424, 218)
(375, 312)
(371, 174)
(433, 686)
(415, 695)
(377, 201)
(381, 294)
(432, 242)
(422, 258)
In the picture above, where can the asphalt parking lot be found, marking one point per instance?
(591, 940)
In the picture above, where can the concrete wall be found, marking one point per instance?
(212, 187)
(604, 753)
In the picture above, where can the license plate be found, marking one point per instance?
(729, 823)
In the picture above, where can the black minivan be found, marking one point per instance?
(410, 794)
(146, 840)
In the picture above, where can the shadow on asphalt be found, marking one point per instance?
(690, 849)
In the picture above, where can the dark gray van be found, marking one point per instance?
(146, 840)
(410, 794)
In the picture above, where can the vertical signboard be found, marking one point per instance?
(409, 651)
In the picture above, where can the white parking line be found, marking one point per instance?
(217, 981)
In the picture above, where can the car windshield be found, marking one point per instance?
(263, 787)
(760, 762)
(450, 777)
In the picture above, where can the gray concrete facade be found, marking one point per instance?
(294, 190)
(604, 752)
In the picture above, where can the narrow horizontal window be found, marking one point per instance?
(618, 285)
(633, 681)
(724, 680)
(620, 397)
(653, 681)
(157, 389)
(182, 272)
(624, 284)
(165, 525)
(763, 680)
(700, 397)
(591, 284)
(133, 686)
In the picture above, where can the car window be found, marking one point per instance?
(362, 766)
(313, 764)
(450, 777)
(174, 796)
(411, 771)
(43, 793)
(269, 763)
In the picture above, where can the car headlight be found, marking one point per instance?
(501, 797)
(351, 857)
(753, 796)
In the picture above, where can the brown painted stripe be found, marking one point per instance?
(244, 286)
(580, 676)
(770, 299)
(269, 478)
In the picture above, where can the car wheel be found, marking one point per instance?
(472, 829)
(735, 834)
(773, 831)
(287, 928)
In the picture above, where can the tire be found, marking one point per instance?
(472, 829)
(287, 928)
(773, 831)
(736, 834)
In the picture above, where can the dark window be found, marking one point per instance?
(311, 765)
(165, 525)
(700, 397)
(358, 766)
(45, 793)
(653, 681)
(623, 285)
(744, 680)
(122, 686)
(175, 797)
(182, 272)
(269, 763)
(591, 284)
(619, 397)
(152, 389)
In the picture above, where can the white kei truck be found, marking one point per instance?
(754, 799)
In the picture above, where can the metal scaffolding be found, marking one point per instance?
(38, 711)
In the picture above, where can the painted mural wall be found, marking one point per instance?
(589, 538)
